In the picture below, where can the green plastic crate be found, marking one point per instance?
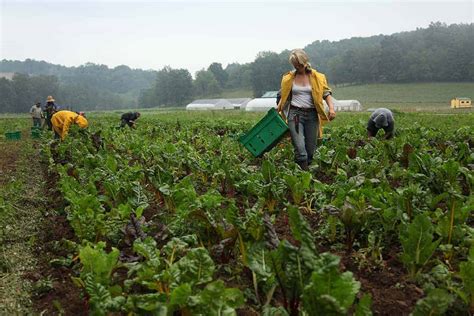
(265, 135)
(13, 135)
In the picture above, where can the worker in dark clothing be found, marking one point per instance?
(129, 119)
(49, 110)
(381, 118)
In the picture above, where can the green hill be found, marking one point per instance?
(407, 96)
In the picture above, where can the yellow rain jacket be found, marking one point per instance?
(319, 86)
(63, 120)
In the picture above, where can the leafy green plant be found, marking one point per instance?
(216, 299)
(417, 242)
(409, 195)
(329, 291)
(371, 256)
(353, 215)
(272, 188)
(97, 267)
(298, 185)
(363, 308)
(101, 301)
(184, 184)
(467, 275)
(195, 268)
(98, 263)
(435, 303)
(301, 274)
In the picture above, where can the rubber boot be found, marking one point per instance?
(303, 165)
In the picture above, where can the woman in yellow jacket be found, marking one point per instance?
(301, 104)
(63, 120)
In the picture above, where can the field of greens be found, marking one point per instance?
(177, 218)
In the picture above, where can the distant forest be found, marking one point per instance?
(438, 53)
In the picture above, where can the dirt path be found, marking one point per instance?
(30, 230)
(20, 221)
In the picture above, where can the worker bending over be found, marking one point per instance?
(63, 120)
(381, 118)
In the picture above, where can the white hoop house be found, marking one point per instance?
(266, 102)
(347, 105)
(239, 103)
(210, 104)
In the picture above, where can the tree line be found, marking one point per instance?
(438, 53)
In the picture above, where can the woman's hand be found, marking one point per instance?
(332, 113)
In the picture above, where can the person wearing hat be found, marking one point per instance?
(129, 119)
(36, 114)
(62, 121)
(381, 118)
(49, 110)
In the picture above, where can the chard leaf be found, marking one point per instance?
(216, 299)
(195, 268)
(100, 298)
(417, 242)
(151, 302)
(467, 275)
(363, 308)
(98, 263)
(180, 295)
(303, 233)
(298, 185)
(179, 246)
(259, 261)
(274, 311)
(329, 291)
(147, 248)
(436, 303)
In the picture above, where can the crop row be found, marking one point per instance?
(177, 217)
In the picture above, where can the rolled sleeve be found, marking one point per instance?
(326, 89)
(326, 94)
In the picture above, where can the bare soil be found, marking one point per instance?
(65, 297)
(8, 160)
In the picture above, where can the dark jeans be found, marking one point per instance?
(48, 122)
(373, 130)
(304, 126)
(36, 122)
(126, 122)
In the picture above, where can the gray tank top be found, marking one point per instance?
(301, 96)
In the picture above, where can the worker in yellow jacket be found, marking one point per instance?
(301, 104)
(63, 120)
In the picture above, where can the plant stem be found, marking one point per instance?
(255, 286)
(451, 223)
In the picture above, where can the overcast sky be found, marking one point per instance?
(193, 34)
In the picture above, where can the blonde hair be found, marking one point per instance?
(298, 56)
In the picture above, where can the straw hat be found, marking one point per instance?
(50, 99)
